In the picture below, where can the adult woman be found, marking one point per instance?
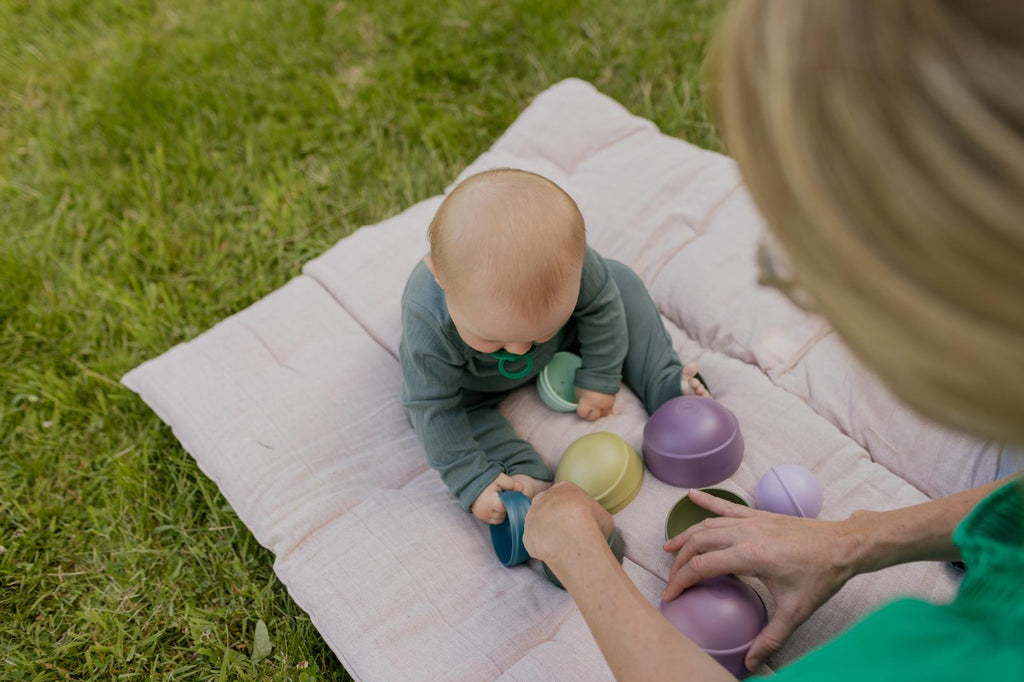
(884, 143)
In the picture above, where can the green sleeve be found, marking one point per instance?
(601, 326)
(432, 397)
(914, 640)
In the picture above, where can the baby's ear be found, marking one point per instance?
(429, 261)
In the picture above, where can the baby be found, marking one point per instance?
(509, 282)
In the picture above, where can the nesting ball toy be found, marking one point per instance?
(507, 536)
(605, 466)
(556, 383)
(722, 616)
(790, 489)
(692, 442)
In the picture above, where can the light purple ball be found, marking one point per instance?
(722, 616)
(692, 442)
(790, 489)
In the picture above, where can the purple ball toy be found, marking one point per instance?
(790, 489)
(693, 442)
(722, 616)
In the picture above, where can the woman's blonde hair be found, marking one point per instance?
(884, 142)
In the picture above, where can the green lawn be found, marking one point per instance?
(164, 164)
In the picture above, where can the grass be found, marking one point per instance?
(164, 165)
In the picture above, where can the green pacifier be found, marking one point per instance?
(503, 356)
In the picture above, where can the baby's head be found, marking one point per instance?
(507, 248)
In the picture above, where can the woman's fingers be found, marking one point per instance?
(791, 609)
(720, 506)
(769, 641)
(714, 562)
(708, 535)
(727, 511)
(715, 523)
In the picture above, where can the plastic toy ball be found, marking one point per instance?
(507, 536)
(605, 466)
(722, 616)
(692, 442)
(790, 489)
(556, 382)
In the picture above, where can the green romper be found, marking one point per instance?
(451, 392)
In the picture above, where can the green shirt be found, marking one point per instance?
(439, 369)
(978, 637)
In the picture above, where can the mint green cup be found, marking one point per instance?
(556, 383)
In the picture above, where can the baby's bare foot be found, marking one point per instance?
(690, 384)
(531, 486)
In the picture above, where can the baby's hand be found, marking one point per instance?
(487, 506)
(530, 486)
(592, 405)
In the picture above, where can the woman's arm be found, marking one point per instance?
(567, 529)
(803, 562)
(923, 532)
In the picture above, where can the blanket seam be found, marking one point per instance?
(351, 314)
(699, 232)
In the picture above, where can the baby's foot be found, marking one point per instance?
(690, 384)
(530, 485)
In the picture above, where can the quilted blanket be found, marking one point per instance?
(292, 407)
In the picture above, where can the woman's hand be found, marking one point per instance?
(568, 530)
(802, 562)
(562, 513)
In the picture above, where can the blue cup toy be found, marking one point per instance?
(507, 536)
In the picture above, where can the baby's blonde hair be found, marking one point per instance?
(884, 143)
(513, 231)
